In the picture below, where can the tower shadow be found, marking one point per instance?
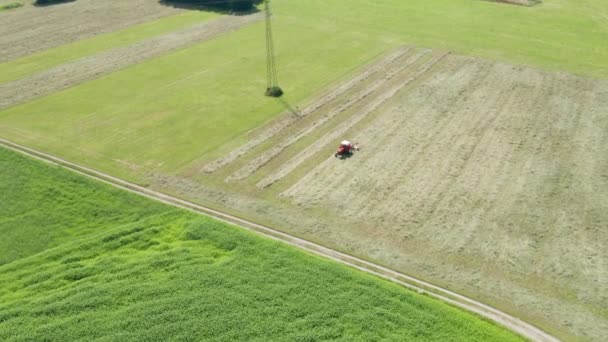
(293, 110)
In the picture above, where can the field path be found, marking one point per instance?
(72, 73)
(415, 284)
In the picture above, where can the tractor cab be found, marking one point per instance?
(345, 149)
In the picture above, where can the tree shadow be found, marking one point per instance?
(47, 3)
(235, 7)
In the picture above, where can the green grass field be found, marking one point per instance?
(42, 207)
(139, 270)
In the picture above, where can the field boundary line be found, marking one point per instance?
(501, 318)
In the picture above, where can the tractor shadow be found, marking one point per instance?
(221, 7)
(344, 156)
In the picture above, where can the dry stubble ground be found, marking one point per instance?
(485, 177)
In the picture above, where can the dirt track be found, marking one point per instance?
(70, 74)
(32, 29)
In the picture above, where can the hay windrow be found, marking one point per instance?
(301, 157)
(318, 104)
(264, 158)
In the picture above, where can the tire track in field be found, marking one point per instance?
(297, 160)
(504, 319)
(313, 107)
(267, 156)
(67, 75)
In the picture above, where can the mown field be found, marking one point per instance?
(491, 184)
(161, 101)
(121, 267)
(466, 164)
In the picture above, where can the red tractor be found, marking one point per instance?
(346, 149)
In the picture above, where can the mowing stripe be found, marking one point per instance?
(267, 156)
(316, 105)
(515, 324)
(301, 157)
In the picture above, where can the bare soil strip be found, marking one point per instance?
(267, 156)
(73, 73)
(301, 157)
(415, 284)
(288, 119)
(32, 29)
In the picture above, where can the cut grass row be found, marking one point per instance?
(160, 273)
(41, 61)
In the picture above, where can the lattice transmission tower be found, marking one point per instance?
(272, 88)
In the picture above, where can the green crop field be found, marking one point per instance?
(120, 267)
(43, 207)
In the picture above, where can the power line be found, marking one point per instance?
(272, 86)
